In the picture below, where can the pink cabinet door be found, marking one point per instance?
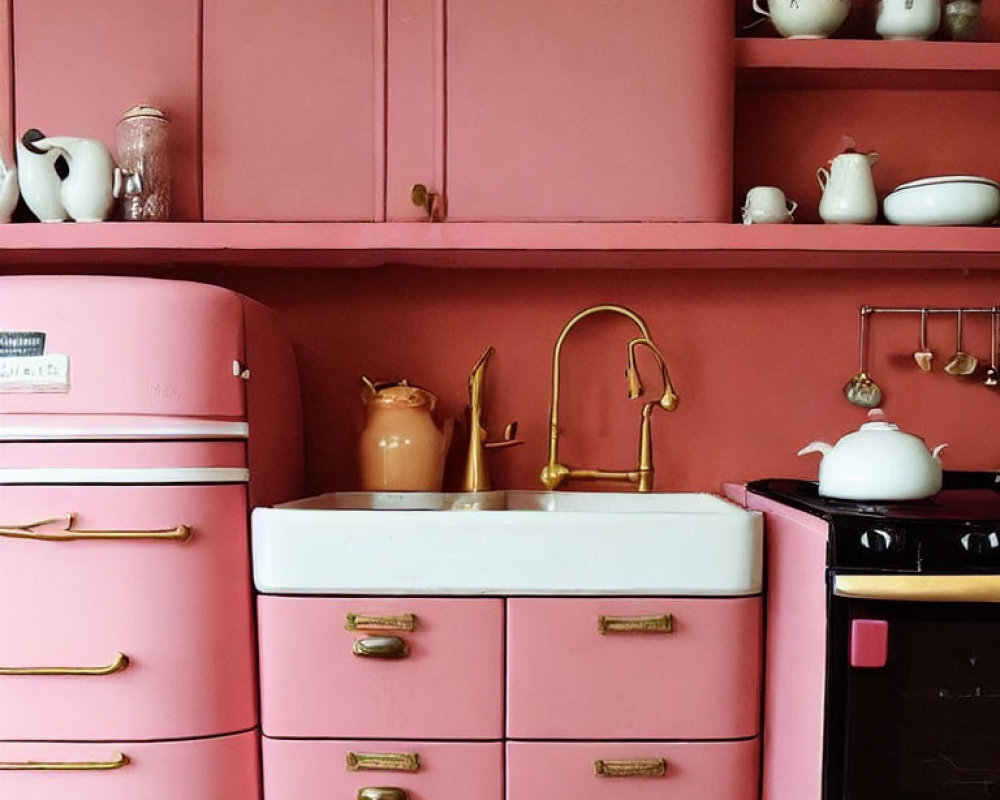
(293, 110)
(78, 66)
(447, 685)
(696, 675)
(131, 345)
(319, 770)
(633, 770)
(223, 768)
(573, 109)
(163, 626)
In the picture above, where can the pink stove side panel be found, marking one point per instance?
(135, 345)
(795, 651)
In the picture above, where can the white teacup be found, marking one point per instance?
(767, 204)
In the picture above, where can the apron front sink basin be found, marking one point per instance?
(508, 543)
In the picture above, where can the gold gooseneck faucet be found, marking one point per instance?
(554, 472)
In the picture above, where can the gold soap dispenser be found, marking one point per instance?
(476, 476)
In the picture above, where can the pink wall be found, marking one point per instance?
(758, 357)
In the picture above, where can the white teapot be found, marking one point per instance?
(878, 462)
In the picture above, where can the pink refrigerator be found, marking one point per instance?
(140, 420)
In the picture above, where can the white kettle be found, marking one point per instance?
(848, 189)
(878, 462)
(86, 194)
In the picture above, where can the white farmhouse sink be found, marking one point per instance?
(536, 543)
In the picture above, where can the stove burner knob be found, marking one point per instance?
(981, 543)
(881, 540)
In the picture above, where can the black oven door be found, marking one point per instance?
(913, 699)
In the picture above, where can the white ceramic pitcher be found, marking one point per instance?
(848, 189)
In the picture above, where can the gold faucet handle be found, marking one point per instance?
(509, 438)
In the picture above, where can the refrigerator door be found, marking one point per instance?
(125, 604)
(120, 346)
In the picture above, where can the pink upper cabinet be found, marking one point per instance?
(570, 109)
(78, 66)
(293, 110)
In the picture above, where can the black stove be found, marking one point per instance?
(956, 531)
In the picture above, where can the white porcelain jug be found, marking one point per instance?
(848, 189)
(41, 186)
(907, 19)
(88, 192)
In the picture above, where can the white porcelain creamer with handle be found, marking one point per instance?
(878, 462)
(848, 189)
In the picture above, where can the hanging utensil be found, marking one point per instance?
(992, 376)
(861, 390)
(923, 356)
(961, 363)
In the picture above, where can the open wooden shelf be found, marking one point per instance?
(861, 64)
(501, 245)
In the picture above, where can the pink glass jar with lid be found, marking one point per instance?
(141, 139)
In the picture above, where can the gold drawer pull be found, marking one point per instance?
(631, 768)
(179, 533)
(391, 762)
(380, 647)
(663, 623)
(118, 663)
(381, 793)
(376, 622)
(120, 760)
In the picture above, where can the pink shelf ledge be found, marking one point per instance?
(852, 63)
(501, 245)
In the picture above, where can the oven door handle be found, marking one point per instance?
(920, 588)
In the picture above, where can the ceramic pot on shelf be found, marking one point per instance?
(805, 19)
(848, 189)
(907, 19)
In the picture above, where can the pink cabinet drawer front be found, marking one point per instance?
(180, 611)
(320, 770)
(449, 686)
(699, 680)
(224, 768)
(629, 771)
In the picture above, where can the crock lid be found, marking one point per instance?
(401, 395)
(142, 110)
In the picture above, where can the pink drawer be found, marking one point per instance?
(320, 770)
(617, 770)
(567, 680)
(449, 686)
(180, 611)
(223, 768)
